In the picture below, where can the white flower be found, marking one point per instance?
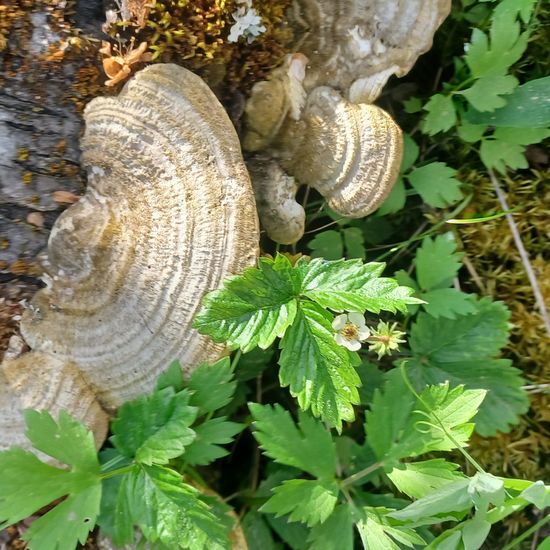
(351, 330)
(248, 23)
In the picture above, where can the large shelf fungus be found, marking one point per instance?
(334, 139)
(169, 212)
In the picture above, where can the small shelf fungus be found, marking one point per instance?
(334, 139)
(168, 213)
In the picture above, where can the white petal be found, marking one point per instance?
(352, 345)
(363, 334)
(357, 319)
(339, 322)
(340, 340)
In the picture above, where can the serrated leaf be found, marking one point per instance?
(436, 184)
(471, 133)
(437, 262)
(462, 351)
(253, 308)
(67, 524)
(448, 303)
(351, 285)
(327, 244)
(67, 440)
(452, 497)
(418, 479)
(527, 107)
(171, 377)
(486, 93)
(257, 533)
(378, 533)
(306, 500)
(307, 446)
(212, 433)
(441, 114)
(501, 154)
(212, 386)
(336, 532)
(317, 370)
(154, 428)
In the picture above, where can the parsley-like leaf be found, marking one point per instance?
(307, 446)
(437, 262)
(336, 532)
(436, 184)
(441, 114)
(486, 93)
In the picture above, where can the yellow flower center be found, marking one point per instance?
(350, 331)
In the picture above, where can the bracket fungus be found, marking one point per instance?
(168, 213)
(334, 139)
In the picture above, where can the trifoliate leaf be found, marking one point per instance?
(501, 154)
(253, 308)
(485, 489)
(212, 386)
(307, 446)
(527, 107)
(166, 509)
(441, 114)
(505, 48)
(155, 428)
(462, 351)
(336, 532)
(318, 371)
(486, 93)
(351, 285)
(327, 244)
(521, 136)
(437, 262)
(418, 479)
(448, 302)
(396, 199)
(27, 484)
(306, 500)
(212, 433)
(67, 440)
(380, 532)
(436, 184)
(452, 497)
(67, 524)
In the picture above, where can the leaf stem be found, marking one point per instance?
(113, 462)
(118, 471)
(361, 473)
(527, 533)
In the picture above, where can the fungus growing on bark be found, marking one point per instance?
(339, 144)
(168, 213)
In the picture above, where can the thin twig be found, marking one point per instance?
(473, 273)
(522, 252)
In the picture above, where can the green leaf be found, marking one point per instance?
(306, 500)
(253, 308)
(521, 136)
(336, 532)
(378, 533)
(437, 262)
(474, 533)
(500, 154)
(351, 285)
(292, 533)
(486, 93)
(538, 494)
(528, 106)
(154, 428)
(67, 524)
(441, 114)
(212, 433)
(470, 133)
(212, 386)
(171, 377)
(485, 489)
(257, 533)
(448, 302)
(436, 184)
(167, 510)
(396, 200)
(327, 244)
(307, 446)
(452, 497)
(355, 242)
(67, 440)
(418, 479)
(462, 351)
(411, 151)
(318, 371)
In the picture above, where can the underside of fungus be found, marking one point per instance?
(334, 139)
(169, 212)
